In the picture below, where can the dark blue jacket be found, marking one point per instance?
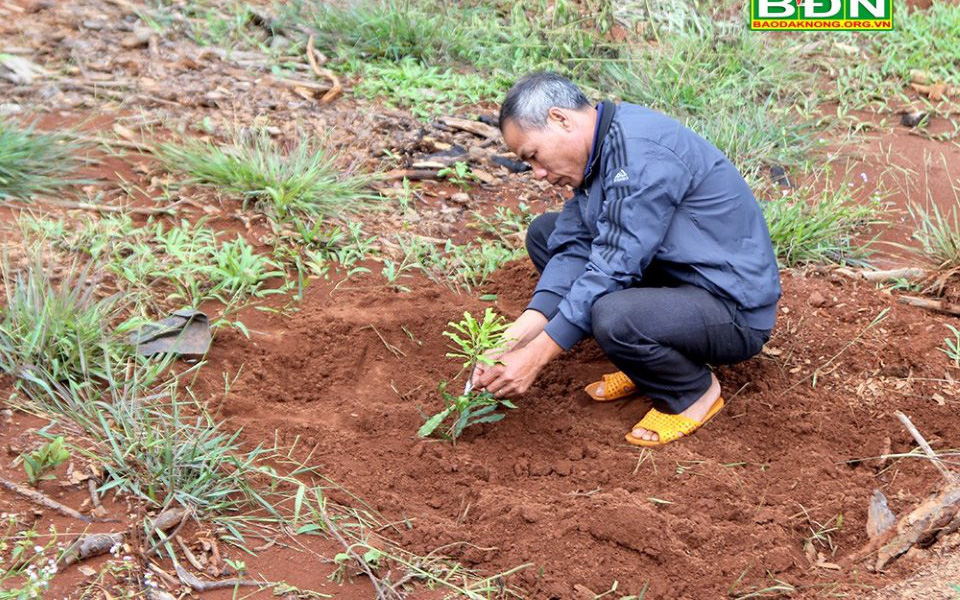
(656, 191)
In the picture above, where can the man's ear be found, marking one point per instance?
(560, 116)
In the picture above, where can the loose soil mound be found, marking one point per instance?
(555, 485)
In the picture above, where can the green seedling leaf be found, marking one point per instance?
(372, 556)
(488, 298)
(38, 464)
(433, 422)
(298, 503)
(309, 528)
(474, 342)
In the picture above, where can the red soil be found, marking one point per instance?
(555, 485)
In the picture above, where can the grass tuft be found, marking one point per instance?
(35, 163)
(731, 87)
(59, 329)
(301, 181)
(938, 233)
(809, 227)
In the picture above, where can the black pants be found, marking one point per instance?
(663, 333)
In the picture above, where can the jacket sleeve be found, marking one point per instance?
(569, 246)
(640, 199)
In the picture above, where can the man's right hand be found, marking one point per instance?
(525, 328)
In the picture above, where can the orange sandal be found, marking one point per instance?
(615, 386)
(670, 427)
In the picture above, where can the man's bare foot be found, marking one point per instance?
(696, 411)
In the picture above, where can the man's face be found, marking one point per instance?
(554, 152)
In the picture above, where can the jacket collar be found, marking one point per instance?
(606, 117)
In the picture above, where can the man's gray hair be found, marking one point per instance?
(530, 99)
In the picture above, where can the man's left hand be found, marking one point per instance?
(517, 370)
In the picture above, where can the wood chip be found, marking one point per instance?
(475, 127)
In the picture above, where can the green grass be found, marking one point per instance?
(63, 329)
(878, 68)
(32, 162)
(819, 227)
(183, 263)
(437, 57)
(937, 231)
(425, 89)
(283, 183)
(730, 85)
(464, 267)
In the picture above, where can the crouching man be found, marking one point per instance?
(662, 255)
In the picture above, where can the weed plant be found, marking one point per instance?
(186, 262)
(30, 562)
(820, 227)
(32, 162)
(424, 89)
(460, 267)
(871, 71)
(473, 343)
(59, 329)
(731, 86)
(481, 48)
(303, 181)
(937, 231)
(38, 463)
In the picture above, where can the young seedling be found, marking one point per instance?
(459, 175)
(40, 462)
(473, 343)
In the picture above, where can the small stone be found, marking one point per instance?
(460, 198)
(562, 468)
(484, 177)
(576, 453)
(540, 470)
(521, 467)
(10, 108)
(138, 39)
(93, 24)
(912, 119)
(817, 300)
(529, 515)
(583, 592)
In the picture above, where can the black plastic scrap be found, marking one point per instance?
(511, 165)
(186, 332)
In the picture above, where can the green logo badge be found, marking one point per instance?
(795, 15)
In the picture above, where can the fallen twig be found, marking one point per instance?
(167, 578)
(475, 127)
(92, 488)
(348, 548)
(397, 352)
(411, 174)
(934, 305)
(909, 273)
(299, 83)
(335, 89)
(935, 517)
(90, 545)
(922, 442)
(43, 500)
(189, 579)
(163, 522)
(191, 557)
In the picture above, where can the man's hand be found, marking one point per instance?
(518, 369)
(527, 326)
